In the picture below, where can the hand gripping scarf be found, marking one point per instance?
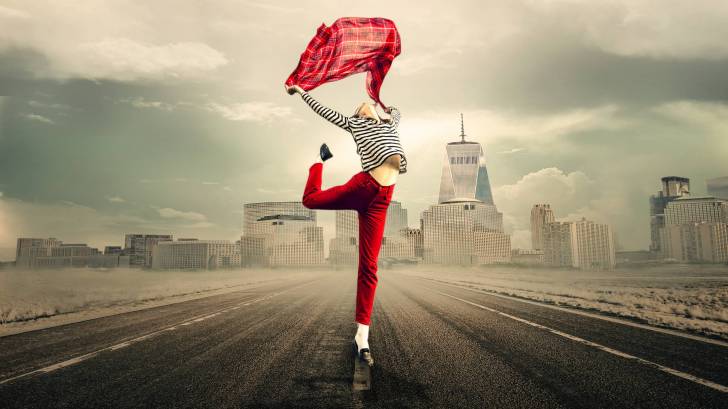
(350, 46)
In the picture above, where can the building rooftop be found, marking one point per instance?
(284, 217)
(699, 198)
(680, 178)
(462, 200)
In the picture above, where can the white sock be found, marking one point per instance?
(362, 336)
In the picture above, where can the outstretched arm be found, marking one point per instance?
(329, 114)
(394, 113)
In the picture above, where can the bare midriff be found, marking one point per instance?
(386, 173)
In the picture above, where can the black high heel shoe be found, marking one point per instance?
(325, 152)
(364, 354)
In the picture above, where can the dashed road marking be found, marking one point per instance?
(587, 314)
(126, 343)
(671, 371)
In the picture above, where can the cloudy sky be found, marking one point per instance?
(167, 116)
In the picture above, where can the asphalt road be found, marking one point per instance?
(288, 344)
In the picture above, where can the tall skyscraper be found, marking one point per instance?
(281, 234)
(718, 187)
(540, 215)
(673, 187)
(464, 175)
(464, 227)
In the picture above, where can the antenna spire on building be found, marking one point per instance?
(462, 128)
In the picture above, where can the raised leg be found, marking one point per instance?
(347, 196)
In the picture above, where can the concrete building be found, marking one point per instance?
(696, 209)
(53, 253)
(396, 219)
(490, 246)
(540, 215)
(464, 231)
(596, 245)
(113, 260)
(527, 257)
(344, 247)
(464, 174)
(415, 240)
(24, 243)
(396, 247)
(712, 242)
(254, 212)
(139, 247)
(67, 256)
(678, 242)
(253, 251)
(28, 249)
(718, 187)
(404, 244)
(74, 250)
(705, 242)
(113, 250)
(295, 242)
(673, 187)
(280, 234)
(195, 255)
(694, 230)
(559, 244)
(580, 244)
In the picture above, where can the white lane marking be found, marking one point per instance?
(671, 371)
(126, 343)
(587, 314)
(119, 346)
(69, 362)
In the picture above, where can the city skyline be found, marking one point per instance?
(197, 207)
(91, 150)
(671, 187)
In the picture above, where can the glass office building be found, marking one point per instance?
(464, 174)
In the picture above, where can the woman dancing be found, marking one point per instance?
(368, 192)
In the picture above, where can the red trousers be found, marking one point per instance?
(370, 199)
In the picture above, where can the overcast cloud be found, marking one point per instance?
(167, 116)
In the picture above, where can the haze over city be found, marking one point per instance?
(122, 117)
(536, 217)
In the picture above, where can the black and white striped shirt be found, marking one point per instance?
(374, 141)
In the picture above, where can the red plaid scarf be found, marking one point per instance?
(351, 45)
